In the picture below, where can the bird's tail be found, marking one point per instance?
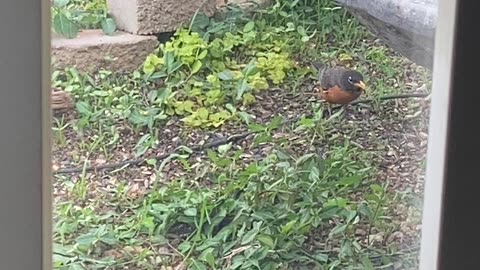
(321, 67)
(318, 65)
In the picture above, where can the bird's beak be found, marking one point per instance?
(361, 85)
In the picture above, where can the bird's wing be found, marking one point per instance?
(331, 77)
(327, 79)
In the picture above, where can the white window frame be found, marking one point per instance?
(438, 131)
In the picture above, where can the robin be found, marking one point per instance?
(338, 85)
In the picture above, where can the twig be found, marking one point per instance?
(233, 138)
(373, 257)
(400, 96)
(174, 249)
(140, 161)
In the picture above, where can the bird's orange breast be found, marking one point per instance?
(336, 95)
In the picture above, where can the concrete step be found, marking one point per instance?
(92, 50)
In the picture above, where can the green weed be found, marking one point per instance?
(71, 16)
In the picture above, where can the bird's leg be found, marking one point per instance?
(327, 104)
(343, 109)
(324, 106)
(329, 109)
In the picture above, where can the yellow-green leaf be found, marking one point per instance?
(345, 57)
(288, 227)
(188, 105)
(202, 113)
(248, 27)
(266, 240)
(190, 212)
(202, 55)
(196, 66)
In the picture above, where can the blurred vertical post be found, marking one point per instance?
(25, 184)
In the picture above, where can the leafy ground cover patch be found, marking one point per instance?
(282, 185)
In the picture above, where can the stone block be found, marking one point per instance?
(146, 17)
(93, 50)
(407, 26)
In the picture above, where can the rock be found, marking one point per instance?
(146, 17)
(92, 50)
(61, 104)
(61, 101)
(407, 26)
(377, 238)
(396, 237)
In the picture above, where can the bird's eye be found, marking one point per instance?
(350, 80)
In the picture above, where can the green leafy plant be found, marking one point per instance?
(70, 16)
(210, 79)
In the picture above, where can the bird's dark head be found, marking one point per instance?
(352, 81)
